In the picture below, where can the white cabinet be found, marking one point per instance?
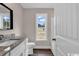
(19, 50)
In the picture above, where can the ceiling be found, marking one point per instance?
(37, 5)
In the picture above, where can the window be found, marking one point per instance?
(41, 26)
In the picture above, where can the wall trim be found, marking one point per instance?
(75, 42)
(42, 47)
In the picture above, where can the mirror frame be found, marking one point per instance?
(11, 16)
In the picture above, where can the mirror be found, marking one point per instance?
(6, 17)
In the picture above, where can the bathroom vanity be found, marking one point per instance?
(17, 47)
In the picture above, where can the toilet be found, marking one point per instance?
(29, 47)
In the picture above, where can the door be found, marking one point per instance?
(41, 26)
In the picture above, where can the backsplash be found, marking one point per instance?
(9, 36)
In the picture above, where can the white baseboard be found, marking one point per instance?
(42, 47)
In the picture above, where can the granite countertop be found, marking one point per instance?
(12, 46)
(2, 52)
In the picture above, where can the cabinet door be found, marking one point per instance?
(16, 51)
(19, 50)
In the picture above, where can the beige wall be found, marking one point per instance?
(17, 19)
(29, 24)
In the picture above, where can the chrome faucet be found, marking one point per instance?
(1, 37)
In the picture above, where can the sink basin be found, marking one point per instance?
(7, 43)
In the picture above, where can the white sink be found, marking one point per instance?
(7, 43)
